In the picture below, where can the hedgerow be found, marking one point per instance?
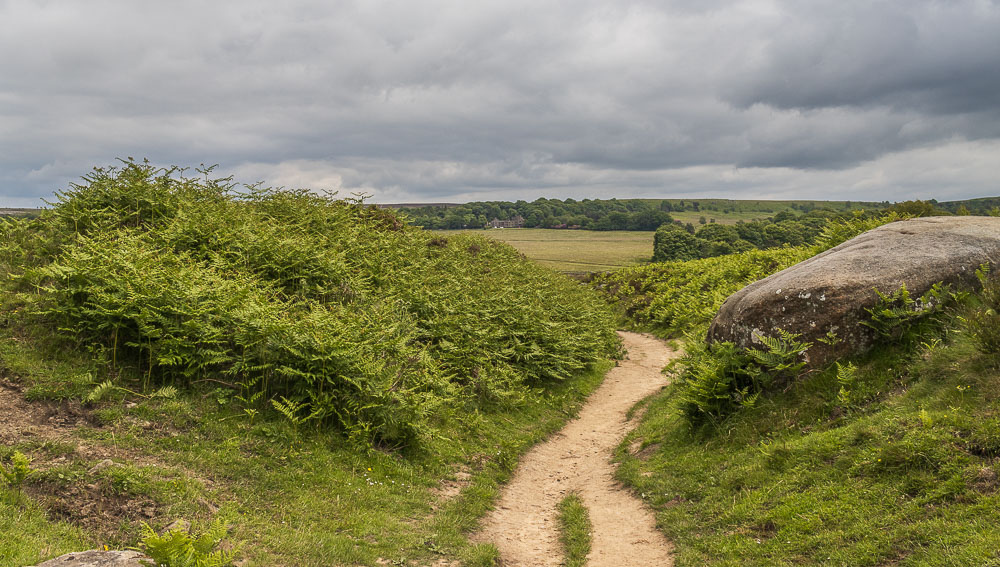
(356, 319)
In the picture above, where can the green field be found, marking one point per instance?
(726, 211)
(576, 251)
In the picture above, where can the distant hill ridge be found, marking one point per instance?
(22, 212)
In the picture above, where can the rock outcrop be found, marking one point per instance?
(831, 291)
(94, 558)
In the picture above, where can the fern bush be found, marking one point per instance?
(715, 380)
(983, 323)
(18, 470)
(178, 548)
(902, 318)
(839, 231)
(360, 321)
(677, 296)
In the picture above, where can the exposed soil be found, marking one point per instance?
(52, 429)
(450, 487)
(21, 420)
(578, 459)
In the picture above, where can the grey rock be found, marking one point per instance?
(105, 464)
(832, 290)
(94, 558)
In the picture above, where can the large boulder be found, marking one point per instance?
(830, 292)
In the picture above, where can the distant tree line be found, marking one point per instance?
(591, 214)
(604, 214)
(794, 222)
(676, 241)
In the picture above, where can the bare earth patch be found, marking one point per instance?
(578, 458)
(450, 487)
(21, 420)
(89, 502)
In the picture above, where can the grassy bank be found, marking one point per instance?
(898, 466)
(333, 384)
(887, 459)
(290, 496)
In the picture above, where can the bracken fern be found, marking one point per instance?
(369, 324)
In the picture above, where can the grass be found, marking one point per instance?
(694, 217)
(576, 251)
(574, 530)
(905, 474)
(28, 537)
(303, 497)
(309, 371)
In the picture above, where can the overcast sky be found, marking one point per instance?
(419, 101)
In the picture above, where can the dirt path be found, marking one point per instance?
(524, 526)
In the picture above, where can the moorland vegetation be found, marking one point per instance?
(889, 457)
(311, 358)
(316, 380)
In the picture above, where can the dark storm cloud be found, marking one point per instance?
(440, 100)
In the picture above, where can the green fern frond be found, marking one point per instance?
(20, 468)
(166, 392)
(100, 392)
(177, 548)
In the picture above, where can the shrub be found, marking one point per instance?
(178, 548)
(983, 323)
(362, 322)
(672, 242)
(719, 378)
(18, 471)
(900, 317)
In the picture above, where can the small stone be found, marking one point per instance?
(106, 463)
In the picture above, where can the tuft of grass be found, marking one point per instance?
(574, 530)
(29, 537)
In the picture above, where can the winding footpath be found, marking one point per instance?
(578, 459)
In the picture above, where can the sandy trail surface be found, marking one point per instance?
(578, 459)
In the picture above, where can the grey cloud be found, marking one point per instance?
(439, 98)
(936, 57)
